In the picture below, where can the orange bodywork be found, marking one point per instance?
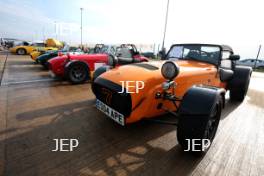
(144, 103)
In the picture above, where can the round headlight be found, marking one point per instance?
(169, 70)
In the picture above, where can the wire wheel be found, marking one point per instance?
(213, 122)
(78, 73)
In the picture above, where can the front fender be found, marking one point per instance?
(100, 71)
(200, 100)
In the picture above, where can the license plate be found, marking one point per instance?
(52, 74)
(113, 114)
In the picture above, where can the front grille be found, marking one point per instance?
(107, 92)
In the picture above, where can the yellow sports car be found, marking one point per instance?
(23, 50)
(50, 44)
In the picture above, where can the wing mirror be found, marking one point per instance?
(234, 57)
(162, 54)
(163, 57)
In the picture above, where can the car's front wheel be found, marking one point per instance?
(77, 72)
(45, 65)
(21, 51)
(196, 134)
(198, 123)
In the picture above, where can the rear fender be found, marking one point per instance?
(74, 61)
(68, 65)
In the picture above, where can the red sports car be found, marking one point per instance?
(79, 68)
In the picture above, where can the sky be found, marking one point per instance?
(237, 23)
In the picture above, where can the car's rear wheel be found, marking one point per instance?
(21, 51)
(77, 72)
(238, 85)
(239, 95)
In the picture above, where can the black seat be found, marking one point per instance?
(193, 54)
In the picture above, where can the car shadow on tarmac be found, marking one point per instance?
(22, 62)
(105, 148)
(230, 106)
(256, 98)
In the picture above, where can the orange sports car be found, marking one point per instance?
(190, 82)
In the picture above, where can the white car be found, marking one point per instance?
(251, 63)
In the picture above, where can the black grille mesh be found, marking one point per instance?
(107, 92)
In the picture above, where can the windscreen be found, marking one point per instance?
(203, 53)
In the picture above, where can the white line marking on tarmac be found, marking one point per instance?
(28, 81)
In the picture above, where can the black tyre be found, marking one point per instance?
(45, 65)
(238, 85)
(196, 131)
(77, 72)
(239, 94)
(21, 51)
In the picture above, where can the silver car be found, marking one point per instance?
(251, 63)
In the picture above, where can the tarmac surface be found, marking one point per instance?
(35, 109)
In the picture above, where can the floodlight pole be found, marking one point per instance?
(257, 57)
(81, 25)
(165, 27)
